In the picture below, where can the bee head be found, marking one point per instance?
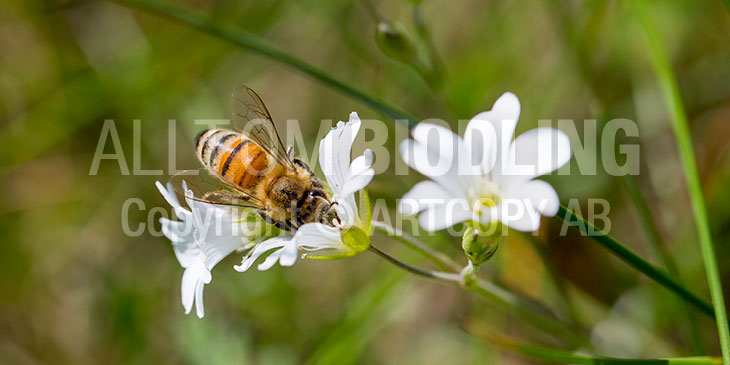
(330, 217)
(316, 207)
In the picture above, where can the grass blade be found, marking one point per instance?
(673, 99)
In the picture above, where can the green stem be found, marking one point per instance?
(435, 275)
(257, 44)
(625, 254)
(502, 298)
(680, 125)
(444, 262)
(545, 353)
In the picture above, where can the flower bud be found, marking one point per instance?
(391, 39)
(479, 246)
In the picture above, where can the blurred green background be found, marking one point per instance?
(75, 289)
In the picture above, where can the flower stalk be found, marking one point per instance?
(537, 315)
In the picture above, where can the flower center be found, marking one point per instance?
(486, 194)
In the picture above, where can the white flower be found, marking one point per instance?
(202, 237)
(345, 178)
(485, 176)
(207, 233)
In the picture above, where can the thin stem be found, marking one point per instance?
(632, 259)
(502, 298)
(673, 99)
(545, 353)
(442, 261)
(436, 275)
(257, 44)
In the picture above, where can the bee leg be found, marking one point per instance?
(213, 195)
(286, 226)
(292, 227)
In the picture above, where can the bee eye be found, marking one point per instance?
(316, 193)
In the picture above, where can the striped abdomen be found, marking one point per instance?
(233, 156)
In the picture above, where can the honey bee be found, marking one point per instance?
(250, 168)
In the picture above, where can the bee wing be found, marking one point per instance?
(252, 118)
(204, 186)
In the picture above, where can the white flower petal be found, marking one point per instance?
(446, 215)
(317, 236)
(437, 138)
(171, 198)
(289, 254)
(217, 234)
(362, 163)
(347, 210)
(421, 196)
(481, 139)
(359, 174)
(175, 231)
(358, 182)
(335, 150)
(183, 244)
(441, 169)
(187, 289)
(169, 194)
(260, 249)
(199, 307)
(541, 195)
(270, 260)
(449, 146)
(518, 214)
(536, 152)
(502, 120)
(194, 277)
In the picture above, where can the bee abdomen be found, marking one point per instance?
(210, 143)
(232, 156)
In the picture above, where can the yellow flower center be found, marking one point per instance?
(487, 194)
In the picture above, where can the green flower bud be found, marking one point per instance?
(479, 246)
(356, 240)
(391, 39)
